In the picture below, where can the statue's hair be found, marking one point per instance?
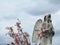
(49, 16)
(45, 18)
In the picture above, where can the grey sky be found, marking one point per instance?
(55, 1)
(28, 11)
(42, 7)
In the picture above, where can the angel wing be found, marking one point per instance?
(36, 30)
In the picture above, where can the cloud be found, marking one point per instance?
(10, 10)
(55, 1)
(4, 40)
(42, 7)
(55, 39)
(56, 20)
(57, 33)
(32, 7)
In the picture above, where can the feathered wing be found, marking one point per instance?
(36, 30)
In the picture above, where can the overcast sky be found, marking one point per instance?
(28, 11)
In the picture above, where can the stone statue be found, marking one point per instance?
(43, 31)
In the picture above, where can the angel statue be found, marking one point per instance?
(43, 31)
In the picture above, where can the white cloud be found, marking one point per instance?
(56, 20)
(42, 7)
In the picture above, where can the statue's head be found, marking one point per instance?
(47, 18)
